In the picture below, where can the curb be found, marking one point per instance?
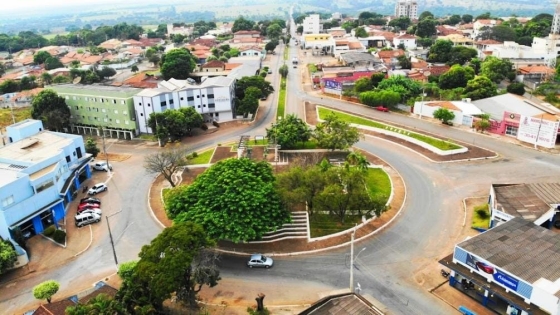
(381, 228)
(150, 206)
(90, 241)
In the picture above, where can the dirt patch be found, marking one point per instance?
(473, 152)
(113, 157)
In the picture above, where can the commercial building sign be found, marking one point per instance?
(537, 130)
(221, 99)
(499, 276)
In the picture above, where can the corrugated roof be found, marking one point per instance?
(521, 248)
(497, 105)
(523, 200)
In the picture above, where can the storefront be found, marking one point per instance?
(511, 269)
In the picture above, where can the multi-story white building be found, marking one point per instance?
(407, 8)
(312, 24)
(213, 98)
(40, 172)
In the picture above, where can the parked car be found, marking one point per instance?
(90, 200)
(259, 260)
(102, 166)
(92, 210)
(84, 206)
(97, 189)
(382, 109)
(86, 218)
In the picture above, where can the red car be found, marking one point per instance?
(382, 109)
(84, 206)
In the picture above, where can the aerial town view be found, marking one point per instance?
(269, 157)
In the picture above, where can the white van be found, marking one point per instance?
(86, 218)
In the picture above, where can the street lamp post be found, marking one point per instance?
(352, 289)
(105, 149)
(422, 103)
(111, 237)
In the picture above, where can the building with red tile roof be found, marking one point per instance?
(140, 80)
(213, 66)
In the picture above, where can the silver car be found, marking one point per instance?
(93, 210)
(102, 166)
(259, 260)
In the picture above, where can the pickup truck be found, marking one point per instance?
(382, 109)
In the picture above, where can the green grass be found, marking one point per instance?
(308, 145)
(437, 143)
(379, 186)
(202, 158)
(281, 99)
(286, 52)
(20, 113)
(148, 137)
(477, 220)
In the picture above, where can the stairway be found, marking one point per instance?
(296, 229)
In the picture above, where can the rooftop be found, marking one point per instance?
(352, 57)
(343, 304)
(95, 88)
(496, 106)
(521, 248)
(528, 201)
(31, 150)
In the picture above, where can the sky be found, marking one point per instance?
(15, 5)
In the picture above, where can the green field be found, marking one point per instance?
(202, 158)
(379, 186)
(437, 143)
(19, 115)
(478, 221)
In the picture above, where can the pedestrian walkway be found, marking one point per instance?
(298, 228)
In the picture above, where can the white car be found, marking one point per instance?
(260, 260)
(102, 166)
(93, 210)
(97, 189)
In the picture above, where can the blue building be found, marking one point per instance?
(40, 173)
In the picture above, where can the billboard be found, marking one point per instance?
(531, 128)
(333, 85)
(498, 275)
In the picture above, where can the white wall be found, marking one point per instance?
(545, 300)
(428, 111)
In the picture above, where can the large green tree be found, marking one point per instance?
(406, 87)
(335, 134)
(444, 114)
(384, 98)
(8, 256)
(53, 63)
(175, 123)
(40, 57)
(289, 132)
(51, 109)
(426, 27)
(516, 88)
(177, 64)
(440, 51)
(480, 87)
(457, 76)
(178, 260)
(255, 81)
(461, 55)
(233, 200)
(497, 69)
(500, 33)
(241, 24)
(274, 31)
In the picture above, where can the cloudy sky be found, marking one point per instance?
(17, 5)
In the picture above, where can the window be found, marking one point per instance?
(103, 109)
(67, 97)
(7, 201)
(117, 121)
(181, 98)
(217, 114)
(141, 114)
(124, 112)
(511, 130)
(198, 106)
(44, 185)
(68, 159)
(211, 105)
(202, 95)
(126, 122)
(114, 101)
(198, 96)
(139, 104)
(164, 103)
(210, 95)
(123, 102)
(170, 102)
(190, 98)
(116, 111)
(77, 108)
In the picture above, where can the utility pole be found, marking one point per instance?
(111, 237)
(539, 131)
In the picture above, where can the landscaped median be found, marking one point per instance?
(438, 146)
(281, 99)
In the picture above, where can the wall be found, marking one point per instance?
(544, 299)
(24, 129)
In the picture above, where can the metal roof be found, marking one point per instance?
(496, 106)
(529, 201)
(521, 248)
(352, 57)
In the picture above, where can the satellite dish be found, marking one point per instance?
(77, 80)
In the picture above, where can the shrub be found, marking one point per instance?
(204, 127)
(59, 236)
(216, 124)
(482, 213)
(49, 231)
(194, 154)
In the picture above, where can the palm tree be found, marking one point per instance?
(358, 160)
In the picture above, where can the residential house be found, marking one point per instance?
(213, 98)
(390, 57)
(343, 81)
(246, 66)
(356, 60)
(213, 66)
(444, 30)
(251, 51)
(457, 39)
(179, 29)
(407, 40)
(140, 80)
(208, 42)
(59, 71)
(99, 106)
(40, 172)
(83, 58)
(111, 44)
(131, 43)
(312, 24)
(465, 112)
(151, 42)
(479, 26)
(337, 32)
(55, 50)
(59, 307)
(348, 44)
(521, 55)
(201, 52)
(25, 97)
(531, 76)
(247, 37)
(485, 47)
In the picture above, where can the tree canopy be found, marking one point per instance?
(335, 134)
(406, 87)
(174, 124)
(426, 27)
(516, 88)
(51, 109)
(480, 87)
(256, 81)
(233, 200)
(457, 76)
(8, 256)
(241, 24)
(166, 162)
(45, 290)
(177, 64)
(444, 114)
(289, 132)
(40, 57)
(497, 69)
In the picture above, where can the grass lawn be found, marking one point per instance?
(202, 158)
(20, 113)
(286, 52)
(379, 186)
(437, 143)
(478, 221)
(312, 68)
(309, 145)
(281, 99)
